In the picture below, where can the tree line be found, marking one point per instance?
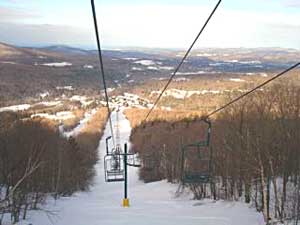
(255, 151)
(36, 162)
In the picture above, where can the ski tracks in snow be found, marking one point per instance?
(152, 203)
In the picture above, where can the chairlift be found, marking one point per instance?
(133, 160)
(113, 163)
(114, 168)
(196, 160)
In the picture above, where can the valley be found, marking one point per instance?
(52, 104)
(28, 73)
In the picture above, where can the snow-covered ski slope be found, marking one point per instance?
(151, 204)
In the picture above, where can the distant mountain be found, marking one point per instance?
(8, 50)
(66, 50)
(19, 54)
(26, 72)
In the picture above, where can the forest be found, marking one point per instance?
(38, 162)
(254, 150)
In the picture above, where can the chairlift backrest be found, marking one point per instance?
(114, 168)
(196, 160)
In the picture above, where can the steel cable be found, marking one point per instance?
(252, 90)
(102, 69)
(183, 59)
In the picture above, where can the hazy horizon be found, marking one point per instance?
(129, 48)
(163, 24)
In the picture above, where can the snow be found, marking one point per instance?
(218, 64)
(190, 73)
(57, 64)
(259, 66)
(152, 68)
(203, 92)
(88, 67)
(236, 80)
(136, 68)
(15, 108)
(64, 115)
(205, 55)
(111, 89)
(251, 62)
(197, 73)
(78, 98)
(8, 62)
(84, 100)
(131, 96)
(45, 94)
(161, 78)
(128, 99)
(166, 108)
(51, 103)
(166, 67)
(153, 203)
(145, 62)
(179, 79)
(264, 74)
(82, 123)
(117, 49)
(69, 88)
(181, 94)
(130, 59)
(160, 68)
(232, 61)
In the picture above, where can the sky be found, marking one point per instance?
(151, 23)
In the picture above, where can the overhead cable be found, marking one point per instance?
(102, 69)
(253, 90)
(183, 59)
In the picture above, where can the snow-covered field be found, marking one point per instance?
(181, 94)
(197, 73)
(236, 80)
(64, 115)
(136, 68)
(160, 68)
(69, 88)
(8, 62)
(153, 203)
(130, 59)
(191, 73)
(146, 62)
(15, 108)
(50, 103)
(57, 64)
(88, 67)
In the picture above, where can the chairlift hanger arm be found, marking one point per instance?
(106, 141)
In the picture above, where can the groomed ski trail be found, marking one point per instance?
(150, 204)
